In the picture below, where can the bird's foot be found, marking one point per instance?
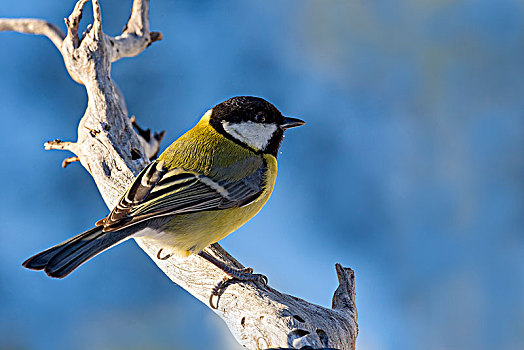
(246, 275)
(234, 275)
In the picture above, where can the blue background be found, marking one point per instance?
(409, 170)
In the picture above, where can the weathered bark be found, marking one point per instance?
(258, 316)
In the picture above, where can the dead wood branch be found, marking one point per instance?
(107, 146)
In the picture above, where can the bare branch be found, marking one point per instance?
(73, 22)
(69, 160)
(258, 316)
(33, 26)
(135, 36)
(60, 145)
(150, 141)
(344, 298)
(97, 21)
(134, 39)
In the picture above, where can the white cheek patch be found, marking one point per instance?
(253, 134)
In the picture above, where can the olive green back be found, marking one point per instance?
(204, 150)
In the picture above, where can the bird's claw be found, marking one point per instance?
(162, 257)
(248, 275)
(243, 275)
(261, 278)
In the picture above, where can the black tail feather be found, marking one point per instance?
(60, 260)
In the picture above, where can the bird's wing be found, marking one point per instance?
(160, 192)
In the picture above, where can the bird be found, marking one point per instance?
(205, 185)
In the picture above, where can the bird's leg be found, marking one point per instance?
(242, 275)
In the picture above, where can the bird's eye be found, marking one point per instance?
(260, 118)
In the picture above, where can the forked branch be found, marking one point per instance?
(33, 26)
(107, 146)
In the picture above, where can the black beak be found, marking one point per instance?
(291, 123)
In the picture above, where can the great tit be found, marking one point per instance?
(205, 185)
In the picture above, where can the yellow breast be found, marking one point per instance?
(190, 233)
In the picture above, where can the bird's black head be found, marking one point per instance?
(253, 122)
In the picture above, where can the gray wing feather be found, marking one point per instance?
(158, 192)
